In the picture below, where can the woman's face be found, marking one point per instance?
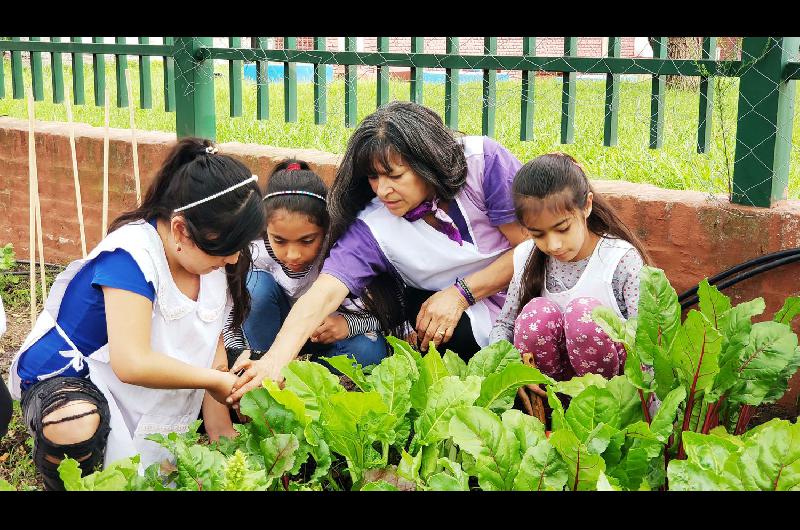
(400, 189)
(562, 235)
(294, 238)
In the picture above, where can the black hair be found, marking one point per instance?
(557, 182)
(418, 135)
(303, 179)
(220, 227)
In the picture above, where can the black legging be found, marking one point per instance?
(5, 408)
(462, 342)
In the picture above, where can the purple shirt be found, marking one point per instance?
(356, 258)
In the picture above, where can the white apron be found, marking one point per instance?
(427, 259)
(181, 328)
(596, 280)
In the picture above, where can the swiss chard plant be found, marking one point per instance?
(436, 422)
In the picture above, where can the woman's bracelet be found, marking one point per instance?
(462, 287)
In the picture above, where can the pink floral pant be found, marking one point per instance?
(568, 344)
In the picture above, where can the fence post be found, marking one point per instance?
(194, 89)
(764, 122)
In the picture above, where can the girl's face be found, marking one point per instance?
(193, 258)
(400, 189)
(294, 238)
(562, 235)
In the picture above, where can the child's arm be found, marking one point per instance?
(322, 299)
(216, 416)
(626, 282)
(504, 325)
(128, 321)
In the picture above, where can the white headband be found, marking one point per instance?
(254, 178)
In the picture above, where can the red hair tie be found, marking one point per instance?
(293, 166)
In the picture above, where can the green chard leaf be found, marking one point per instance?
(713, 304)
(790, 309)
(379, 485)
(353, 422)
(613, 326)
(114, 477)
(351, 369)
(451, 478)
(493, 358)
(590, 408)
(431, 370)
(455, 365)
(659, 315)
(312, 383)
(541, 468)
(446, 396)
(770, 458)
(627, 397)
(392, 380)
(695, 353)
(576, 385)
(279, 453)
(736, 328)
(494, 447)
(557, 419)
(583, 467)
(498, 389)
(664, 420)
(763, 364)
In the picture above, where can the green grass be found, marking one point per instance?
(677, 165)
(16, 464)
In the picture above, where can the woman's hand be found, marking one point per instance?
(334, 328)
(254, 373)
(439, 315)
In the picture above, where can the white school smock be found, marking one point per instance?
(181, 328)
(427, 259)
(596, 280)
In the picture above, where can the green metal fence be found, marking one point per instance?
(767, 70)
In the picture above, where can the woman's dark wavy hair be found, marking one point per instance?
(302, 179)
(219, 227)
(557, 182)
(419, 137)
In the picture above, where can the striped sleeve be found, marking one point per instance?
(360, 324)
(233, 337)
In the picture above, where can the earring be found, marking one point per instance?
(178, 248)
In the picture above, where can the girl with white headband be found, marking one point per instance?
(129, 337)
(286, 261)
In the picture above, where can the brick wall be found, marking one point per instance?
(688, 234)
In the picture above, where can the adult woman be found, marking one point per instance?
(411, 206)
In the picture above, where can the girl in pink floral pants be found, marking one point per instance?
(580, 256)
(569, 343)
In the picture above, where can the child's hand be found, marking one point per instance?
(334, 328)
(223, 386)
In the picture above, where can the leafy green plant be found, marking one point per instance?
(434, 422)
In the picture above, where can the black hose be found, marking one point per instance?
(742, 266)
(689, 298)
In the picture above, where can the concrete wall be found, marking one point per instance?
(689, 234)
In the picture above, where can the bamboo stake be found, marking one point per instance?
(31, 210)
(34, 175)
(134, 145)
(105, 168)
(77, 182)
